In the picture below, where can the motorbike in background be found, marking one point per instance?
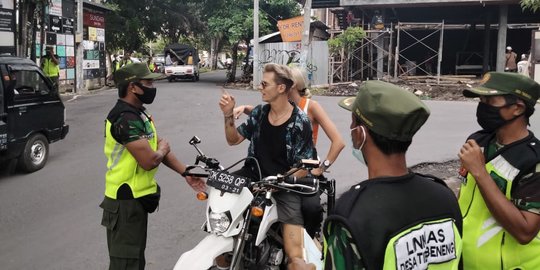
(241, 216)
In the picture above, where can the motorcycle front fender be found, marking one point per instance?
(202, 256)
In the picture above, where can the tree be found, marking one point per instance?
(533, 5)
(341, 46)
(129, 25)
(232, 21)
(177, 19)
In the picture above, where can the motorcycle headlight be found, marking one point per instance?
(219, 222)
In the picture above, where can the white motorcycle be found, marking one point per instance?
(241, 217)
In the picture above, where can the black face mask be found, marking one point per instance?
(489, 117)
(149, 93)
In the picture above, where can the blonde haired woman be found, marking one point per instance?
(299, 94)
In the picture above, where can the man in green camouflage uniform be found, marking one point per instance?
(134, 151)
(395, 219)
(500, 191)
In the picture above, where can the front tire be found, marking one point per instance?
(35, 154)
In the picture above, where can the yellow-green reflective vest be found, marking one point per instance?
(50, 68)
(434, 245)
(486, 245)
(122, 167)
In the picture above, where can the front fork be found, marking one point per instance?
(238, 249)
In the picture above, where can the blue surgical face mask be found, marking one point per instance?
(357, 153)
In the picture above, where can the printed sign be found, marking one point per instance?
(61, 51)
(62, 74)
(7, 4)
(70, 51)
(93, 19)
(70, 74)
(55, 24)
(61, 39)
(90, 64)
(88, 45)
(92, 34)
(100, 33)
(91, 55)
(55, 8)
(429, 244)
(62, 63)
(67, 25)
(70, 40)
(291, 29)
(50, 39)
(70, 62)
(7, 21)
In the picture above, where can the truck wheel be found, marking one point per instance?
(194, 78)
(197, 78)
(35, 154)
(170, 79)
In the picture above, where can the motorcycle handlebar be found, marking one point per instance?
(188, 172)
(307, 181)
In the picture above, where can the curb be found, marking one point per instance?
(69, 97)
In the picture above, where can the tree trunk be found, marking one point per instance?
(232, 74)
(214, 51)
(212, 60)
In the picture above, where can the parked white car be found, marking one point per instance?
(174, 72)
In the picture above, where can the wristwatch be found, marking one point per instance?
(325, 164)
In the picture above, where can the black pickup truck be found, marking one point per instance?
(32, 114)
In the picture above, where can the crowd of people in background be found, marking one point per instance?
(512, 65)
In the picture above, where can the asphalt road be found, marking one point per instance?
(51, 220)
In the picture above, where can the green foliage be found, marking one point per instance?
(233, 19)
(279, 10)
(127, 25)
(347, 40)
(131, 24)
(533, 5)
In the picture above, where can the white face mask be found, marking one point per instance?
(357, 153)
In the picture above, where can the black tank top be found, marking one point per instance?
(271, 151)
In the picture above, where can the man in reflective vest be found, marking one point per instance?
(134, 151)
(500, 191)
(395, 219)
(50, 65)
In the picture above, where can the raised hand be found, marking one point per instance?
(227, 103)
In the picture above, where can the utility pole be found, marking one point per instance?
(79, 77)
(256, 79)
(305, 35)
(501, 38)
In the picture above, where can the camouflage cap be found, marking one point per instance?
(134, 72)
(506, 83)
(388, 110)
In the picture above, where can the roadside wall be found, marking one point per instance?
(288, 53)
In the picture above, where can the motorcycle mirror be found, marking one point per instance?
(194, 140)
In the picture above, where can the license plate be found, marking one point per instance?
(226, 182)
(179, 73)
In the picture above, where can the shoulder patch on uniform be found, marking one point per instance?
(426, 244)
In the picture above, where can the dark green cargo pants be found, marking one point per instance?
(126, 222)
